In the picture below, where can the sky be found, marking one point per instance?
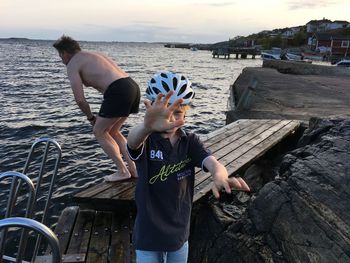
(188, 21)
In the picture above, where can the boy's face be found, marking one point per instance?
(178, 114)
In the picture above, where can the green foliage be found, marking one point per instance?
(300, 39)
(269, 42)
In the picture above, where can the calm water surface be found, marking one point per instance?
(36, 101)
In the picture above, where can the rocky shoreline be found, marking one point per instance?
(298, 210)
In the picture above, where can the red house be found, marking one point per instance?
(337, 45)
(340, 46)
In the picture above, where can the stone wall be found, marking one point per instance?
(300, 68)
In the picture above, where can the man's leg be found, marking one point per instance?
(121, 141)
(101, 130)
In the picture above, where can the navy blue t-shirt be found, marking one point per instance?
(164, 190)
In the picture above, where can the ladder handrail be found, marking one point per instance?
(38, 227)
(17, 179)
(37, 142)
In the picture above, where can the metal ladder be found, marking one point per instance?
(17, 180)
(39, 228)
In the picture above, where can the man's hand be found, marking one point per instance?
(92, 120)
(158, 115)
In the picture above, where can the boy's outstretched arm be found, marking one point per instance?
(158, 117)
(221, 179)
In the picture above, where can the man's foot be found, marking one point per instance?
(116, 177)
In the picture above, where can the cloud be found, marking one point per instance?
(217, 4)
(221, 4)
(302, 4)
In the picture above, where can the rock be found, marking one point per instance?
(303, 216)
(287, 96)
(298, 68)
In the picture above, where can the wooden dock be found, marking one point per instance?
(237, 52)
(92, 236)
(97, 235)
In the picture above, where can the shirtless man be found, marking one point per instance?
(121, 96)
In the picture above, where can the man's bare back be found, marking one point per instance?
(94, 69)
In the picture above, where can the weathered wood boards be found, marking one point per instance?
(95, 236)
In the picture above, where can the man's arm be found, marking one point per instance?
(221, 179)
(78, 92)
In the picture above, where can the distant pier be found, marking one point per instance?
(236, 52)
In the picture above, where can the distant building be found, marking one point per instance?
(249, 43)
(290, 32)
(336, 45)
(324, 25)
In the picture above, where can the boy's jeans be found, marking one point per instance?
(178, 256)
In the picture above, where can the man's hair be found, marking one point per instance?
(68, 44)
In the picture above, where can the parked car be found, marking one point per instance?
(343, 63)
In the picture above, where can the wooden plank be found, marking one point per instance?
(231, 136)
(64, 227)
(81, 234)
(249, 141)
(222, 133)
(251, 151)
(249, 156)
(224, 155)
(102, 190)
(126, 195)
(238, 138)
(117, 190)
(229, 129)
(262, 147)
(120, 239)
(99, 242)
(254, 138)
(94, 190)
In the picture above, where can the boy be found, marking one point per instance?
(165, 158)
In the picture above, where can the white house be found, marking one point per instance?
(290, 32)
(324, 25)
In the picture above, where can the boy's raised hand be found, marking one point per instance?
(158, 115)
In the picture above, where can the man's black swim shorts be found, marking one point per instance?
(121, 98)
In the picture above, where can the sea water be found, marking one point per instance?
(36, 101)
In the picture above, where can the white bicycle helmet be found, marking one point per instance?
(165, 81)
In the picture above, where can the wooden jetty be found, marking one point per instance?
(95, 233)
(238, 52)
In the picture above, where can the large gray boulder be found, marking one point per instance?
(302, 215)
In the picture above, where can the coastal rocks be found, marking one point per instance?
(302, 215)
(265, 93)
